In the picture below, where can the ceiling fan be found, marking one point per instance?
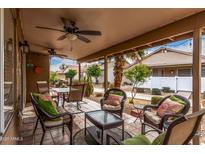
(51, 51)
(72, 32)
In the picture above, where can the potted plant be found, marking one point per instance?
(137, 75)
(70, 74)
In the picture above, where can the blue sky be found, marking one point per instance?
(184, 45)
(56, 62)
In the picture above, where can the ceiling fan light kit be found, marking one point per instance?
(71, 37)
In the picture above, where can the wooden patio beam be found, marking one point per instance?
(105, 73)
(79, 72)
(172, 30)
(196, 71)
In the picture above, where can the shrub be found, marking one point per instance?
(137, 75)
(156, 91)
(140, 90)
(94, 71)
(70, 73)
(166, 89)
(156, 99)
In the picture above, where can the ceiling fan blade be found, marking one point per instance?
(62, 37)
(84, 39)
(89, 32)
(48, 28)
(61, 55)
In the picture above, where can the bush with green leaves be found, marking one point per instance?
(70, 74)
(53, 78)
(166, 89)
(156, 99)
(156, 91)
(137, 75)
(94, 71)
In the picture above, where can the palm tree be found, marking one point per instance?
(118, 70)
(135, 56)
(119, 63)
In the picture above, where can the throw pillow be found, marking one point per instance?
(47, 97)
(169, 106)
(159, 139)
(114, 97)
(138, 140)
(48, 108)
(174, 98)
(112, 102)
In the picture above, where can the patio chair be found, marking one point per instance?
(43, 87)
(48, 121)
(76, 94)
(113, 101)
(153, 120)
(180, 132)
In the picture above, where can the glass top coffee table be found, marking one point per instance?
(102, 120)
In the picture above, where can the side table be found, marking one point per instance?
(138, 112)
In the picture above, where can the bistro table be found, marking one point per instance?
(102, 120)
(138, 112)
(61, 91)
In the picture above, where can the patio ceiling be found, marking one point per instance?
(116, 25)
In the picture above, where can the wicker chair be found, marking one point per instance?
(152, 120)
(46, 122)
(179, 132)
(76, 94)
(114, 91)
(43, 87)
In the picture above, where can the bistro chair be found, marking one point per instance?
(153, 120)
(43, 87)
(179, 132)
(76, 94)
(113, 101)
(48, 121)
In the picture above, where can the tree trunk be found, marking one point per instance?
(71, 81)
(118, 70)
(96, 80)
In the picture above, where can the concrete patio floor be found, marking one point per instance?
(55, 136)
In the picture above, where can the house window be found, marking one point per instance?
(203, 72)
(185, 72)
(154, 72)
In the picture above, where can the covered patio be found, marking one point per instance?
(122, 31)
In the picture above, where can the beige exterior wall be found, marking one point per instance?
(42, 61)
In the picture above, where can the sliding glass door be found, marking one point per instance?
(8, 66)
(7, 74)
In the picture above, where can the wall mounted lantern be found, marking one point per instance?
(24, 46)
(9, 45)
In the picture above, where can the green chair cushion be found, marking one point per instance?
(46, 106)
(159, 139)
(138, 140)
(178, 100)
(143, 140)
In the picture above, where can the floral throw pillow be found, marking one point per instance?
(113, 97)
(169, 106)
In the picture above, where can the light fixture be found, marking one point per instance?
(24, 46)
(71, 37)
(9, 45)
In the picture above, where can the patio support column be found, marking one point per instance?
(196, 74)
(105, 73)
(79, 71)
